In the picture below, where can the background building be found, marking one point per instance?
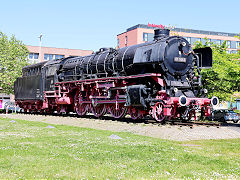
(143, 33)
(39, 54)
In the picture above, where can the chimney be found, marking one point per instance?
(160, 33)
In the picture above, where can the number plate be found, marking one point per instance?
(180, 59)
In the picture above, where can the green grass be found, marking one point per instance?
(30, 150)
(237, 111)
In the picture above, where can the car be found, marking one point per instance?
(3, 99)
(11, 107)
(224, 115)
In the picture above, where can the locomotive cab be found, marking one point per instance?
(205, 57)
(49, 74)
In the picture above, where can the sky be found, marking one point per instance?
(92, 24)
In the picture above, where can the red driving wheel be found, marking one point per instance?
(80, 107)
(99, 110)
(117, 111)
(134, 113)
(158, 112)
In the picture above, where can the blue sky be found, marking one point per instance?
(94, 24)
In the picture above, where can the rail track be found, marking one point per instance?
(197, 123)
(128, 119)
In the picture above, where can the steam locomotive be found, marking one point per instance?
(159, 79)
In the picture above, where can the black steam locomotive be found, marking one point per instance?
(160, 79)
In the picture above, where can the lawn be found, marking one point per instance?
(39, 150)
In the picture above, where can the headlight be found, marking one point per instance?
(205, 91)
(214, 101)
(175, 90)
(183, 100)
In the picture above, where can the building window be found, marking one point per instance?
(195, 40)
(198, 39)
(238, 45)
(216, 41)
(57, 56)
(48, 56)
(150, 36)
(188, 39)
(33, 55)
(30, 56)
(45, 56)
(52, 56)
(117, 43)
(233, 44)
(126, 40)
(228, 44)
(204, 41)
(145, 37)
(222, 41)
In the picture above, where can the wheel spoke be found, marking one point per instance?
(158, 112)
(117, 112)
(80, 108)
(134, 113)
(99, 110)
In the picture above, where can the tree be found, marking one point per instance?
(13, 56)
(223, 79)
(238, 44)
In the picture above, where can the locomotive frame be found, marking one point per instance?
(160, 79)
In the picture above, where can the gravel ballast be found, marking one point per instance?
(170, 132)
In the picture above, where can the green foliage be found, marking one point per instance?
(237, 111)
(239, 44)
(13, 56)
(223, 79)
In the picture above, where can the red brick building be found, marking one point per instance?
(38, 54)
(143, 33)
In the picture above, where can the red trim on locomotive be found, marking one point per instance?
(91, 95)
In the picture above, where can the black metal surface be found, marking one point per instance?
(51, 73)
(29, 88)
(159, 33)
(34, 69)
(30, 85)
(171, 57)
(166, 55)
(136, 95)
(205, 57)
(173, 49)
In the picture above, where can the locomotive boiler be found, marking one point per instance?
(159, 79)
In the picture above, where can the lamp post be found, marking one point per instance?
(40, 46)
